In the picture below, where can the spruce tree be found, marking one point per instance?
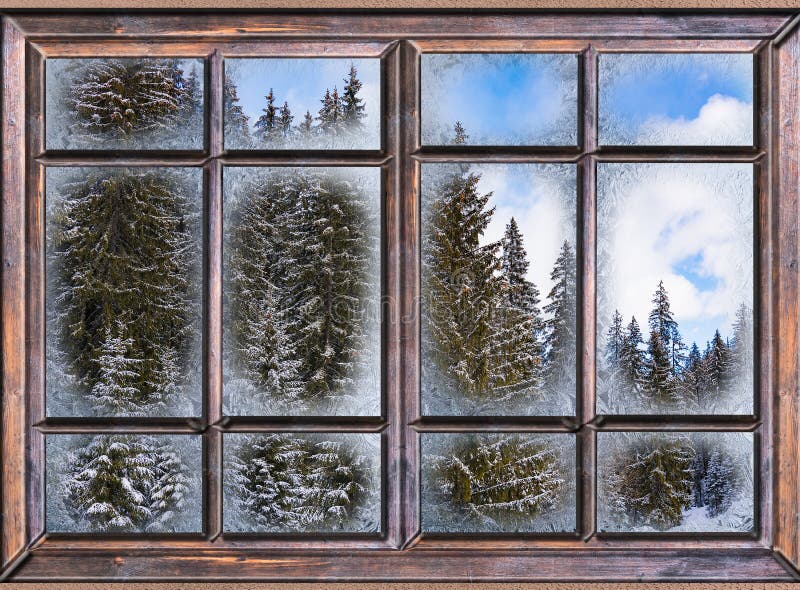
(122, 482)
(237, 124)
(116, 98)
(615, 340)
(518, 325)
(560, 327)
(632, 360)
(285, 119)
(740, 365)
(294, 484)
(661, 319)
(307, 124)
(661, 385)
(353, 107)
(694, 379)
(326, 112)
(267, 124)
(717, 365)
(719, 483)
(508, 479)
(460, 134)
(300, 273)
(461, 286)
(124, 246)
(650, 481)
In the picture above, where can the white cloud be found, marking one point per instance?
(660, 218)
(722, 120)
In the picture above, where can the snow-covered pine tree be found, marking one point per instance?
(507, 479)
(632, 359)
(306, 126)
(615, 340)
(266, 127)
(330, 114)
(293, 484)
(560, 343)
(661, 385)
(661, 320)
(300, 273)
(460, 136)
(650, 482)
(115, 98)
(237, 124)
(125, 482)
(741, 359)
(461, 287)
(518, 351)
(353, 107)
(125, 251)
(285, 119)
(719, 483)
(694, 378)
(717, 365)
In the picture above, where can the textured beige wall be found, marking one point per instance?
(363, 4)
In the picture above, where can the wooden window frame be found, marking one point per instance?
(772, 552)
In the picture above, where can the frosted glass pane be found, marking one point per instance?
(500, 99)
(498, 483)
(302, 286)
(498, 289)
(675, 288)
(302, 103)
(124, 289)
(302, 483)
(120, 483)
(676, 99)
(124, 103)
(677, 482)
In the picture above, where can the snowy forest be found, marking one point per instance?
(675, 482)
(302, 291)
(300, 483)
(123, 291)
(125, 103)
(339, 122)
(115, 483)
(661, 371)
(492, 343)
(498, 483)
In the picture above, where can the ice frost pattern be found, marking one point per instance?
(675, 482)
(302, 483)
(676, 99)
(302, 291)
(675, 289)
(302, 103)
(498, 483)
(492, 342)
(124, 103)
(116, 483)
(502, 99)
(124, 270)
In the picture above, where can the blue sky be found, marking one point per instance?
(690, 225)
(702, 99)
(500, 98)
(302, 82)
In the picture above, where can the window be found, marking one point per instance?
(437, 296)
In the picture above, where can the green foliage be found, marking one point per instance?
(300, 273)
(119, 97)
(124, 248)
(292, 483)
(650, 481)
(122, 482)
(508, 479)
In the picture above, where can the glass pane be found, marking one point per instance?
(675, 288)
(124, 288)
(115, 483)
(302, 103)
(677, 482)
(302, 330)
(124, 103)
(302, 483)
(498, 483)
(499, 99)
(498, 287)
(676, 99)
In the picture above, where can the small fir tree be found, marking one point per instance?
(267, 124)
(237, 124)
(460, 136)
(123, 483)
(285, 119)
(719, 483)
(353, 107)
(560, 327)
